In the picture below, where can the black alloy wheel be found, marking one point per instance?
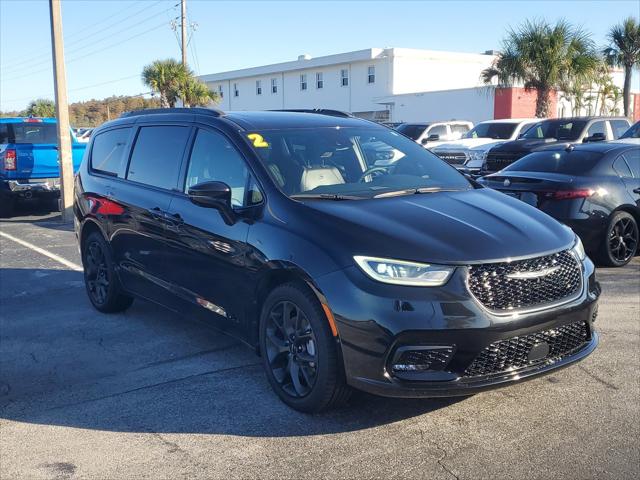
(96, 274)
(300, 355)
(291, 349)
(101, 281)
(622, 240)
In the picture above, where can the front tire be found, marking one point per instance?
(100, 278)
(621, 240)
(299, 353)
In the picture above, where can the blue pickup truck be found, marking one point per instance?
(29, 164)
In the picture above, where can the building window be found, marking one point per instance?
(344, 77)
(220, 91)
(258, 87)
(319, 80)
(303, 81)
(236, 92)
(371, 74)
(274, 85)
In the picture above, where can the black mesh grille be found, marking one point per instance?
(513, 354)
(425, 359)
(505, 286)
(498, 160)
(454, 158)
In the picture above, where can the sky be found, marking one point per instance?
(108, 42)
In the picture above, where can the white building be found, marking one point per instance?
(369, 83)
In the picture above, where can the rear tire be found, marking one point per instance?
(100, 278)
(620, 243)
(299, 353)
(7, 206)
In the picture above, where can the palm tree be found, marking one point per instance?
(164, 77)
(544, 58)
(195, 93)
(41, 107)
(624, 51)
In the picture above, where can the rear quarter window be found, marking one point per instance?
(568, 163)
(108, 153)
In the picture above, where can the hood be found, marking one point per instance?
(479, 225)
(526, 144)
(469, 144)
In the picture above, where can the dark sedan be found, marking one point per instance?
(594, 189)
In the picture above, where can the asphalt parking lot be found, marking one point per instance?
(149, 394)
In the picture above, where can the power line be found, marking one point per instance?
(73, 34)
(163, 24)
(90, 44)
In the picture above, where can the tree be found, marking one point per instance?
(41, 107)
(164, 77)
(195, 93)
(624, 51)
(543, 58)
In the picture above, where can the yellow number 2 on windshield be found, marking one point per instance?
(257, 140)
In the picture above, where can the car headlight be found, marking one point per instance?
(578, 248)
(399, 272)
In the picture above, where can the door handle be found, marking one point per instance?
(174, 218)
(636, 190)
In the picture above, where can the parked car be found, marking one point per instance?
(632, 135)
(428, 133)
(469, 153)
(557, 131)
(594, 189)
(276, 227)
(29, 166)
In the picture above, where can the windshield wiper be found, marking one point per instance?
(325, 196)
(414, 191)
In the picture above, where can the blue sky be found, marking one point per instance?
(108, 42)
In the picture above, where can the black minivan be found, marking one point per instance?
(295, 233)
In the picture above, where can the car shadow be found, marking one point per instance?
(148, 370)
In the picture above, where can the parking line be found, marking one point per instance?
(42, 251)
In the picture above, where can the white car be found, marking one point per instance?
(430, 133)
(469, 152)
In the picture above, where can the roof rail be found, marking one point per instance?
(155, 111)
(319, 111)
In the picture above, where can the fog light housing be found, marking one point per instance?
(421, 358)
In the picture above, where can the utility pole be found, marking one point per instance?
(183, 24)
(62, 113)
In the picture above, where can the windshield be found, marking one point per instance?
(351, 162)
(412, 131)
(557, 129)
(498, 131)
(633, 132)
(573, 162)
(28, 133)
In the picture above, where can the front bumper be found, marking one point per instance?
(374, 320)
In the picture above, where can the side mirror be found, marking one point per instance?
(214, 195)
(596, 137)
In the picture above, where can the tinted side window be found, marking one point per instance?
(633, 160)
(618, 127)
(621, 167)
(109, 150)
(213, 158)
(440, 130)
(597, 127)
(157, 155)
